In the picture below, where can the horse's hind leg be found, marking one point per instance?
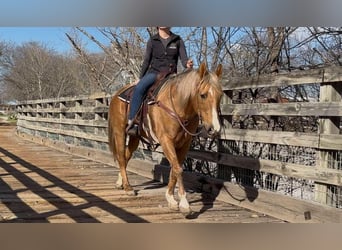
(123, 159)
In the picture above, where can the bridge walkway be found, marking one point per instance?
(41, 184)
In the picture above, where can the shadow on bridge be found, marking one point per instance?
(25, 213)
(210, 188)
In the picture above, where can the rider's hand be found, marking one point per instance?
(189, 64)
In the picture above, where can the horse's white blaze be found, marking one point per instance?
(215, 121)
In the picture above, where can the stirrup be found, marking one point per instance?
(132, 130)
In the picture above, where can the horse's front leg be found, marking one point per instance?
(181, 154)
(169, 194)
(175, 177)
(183, 205)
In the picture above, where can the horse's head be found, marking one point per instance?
(208, 97)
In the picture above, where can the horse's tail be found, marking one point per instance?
(115, 122)
(111, 138)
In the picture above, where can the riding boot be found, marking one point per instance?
(132, 129)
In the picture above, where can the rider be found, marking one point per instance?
(162, 52)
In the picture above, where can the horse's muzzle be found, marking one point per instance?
(208, 131)
(212, 132)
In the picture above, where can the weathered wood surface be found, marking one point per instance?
(328, 176)
(40, 184)
(284, 109)
(310, 76)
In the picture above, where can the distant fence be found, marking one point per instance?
(4, 108)
(296, 176)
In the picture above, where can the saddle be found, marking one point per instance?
(152, 92)
(149, 99)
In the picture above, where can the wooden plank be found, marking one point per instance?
(284, 109)
(280, 206)
(77, 109)
(88, 123)
(66, 99)
(322, 141)
(329, 176)
(273, 137)
(71, 133)
(328, 74)
(330, 141)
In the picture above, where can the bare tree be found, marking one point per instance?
(203, 55)
(328, 44)
(3, 65)
(122, 54)
(35, 72)
(223, 42)
(244, 51)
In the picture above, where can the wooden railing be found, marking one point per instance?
(257, 174)
(79, 125)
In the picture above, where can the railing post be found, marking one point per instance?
(62, 105)
(329, 92)
(223, 171)
(98, 116)
(78, 117)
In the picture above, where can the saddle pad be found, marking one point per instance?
(126, 95)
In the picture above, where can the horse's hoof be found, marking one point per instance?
(173, 206)
(185, 210)
(191, 215)
(131, 192)
(118, 187)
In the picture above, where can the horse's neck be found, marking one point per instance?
(184, 109)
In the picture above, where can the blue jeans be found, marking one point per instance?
(140, 91)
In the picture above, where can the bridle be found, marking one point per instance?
(172, 112)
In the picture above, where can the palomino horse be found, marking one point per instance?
(184, 100)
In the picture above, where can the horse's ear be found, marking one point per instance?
(202, 70)
(219, 70)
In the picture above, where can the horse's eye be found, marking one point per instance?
(203, 96)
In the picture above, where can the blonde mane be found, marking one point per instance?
(187, 84)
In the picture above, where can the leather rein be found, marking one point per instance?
(183, 124)
(173, 114)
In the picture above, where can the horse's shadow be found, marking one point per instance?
(209, 188)
(161, 175)
(207, 198)
(149, 185)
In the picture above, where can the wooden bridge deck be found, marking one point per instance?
(40, 184)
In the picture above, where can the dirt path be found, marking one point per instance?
(4, 121)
